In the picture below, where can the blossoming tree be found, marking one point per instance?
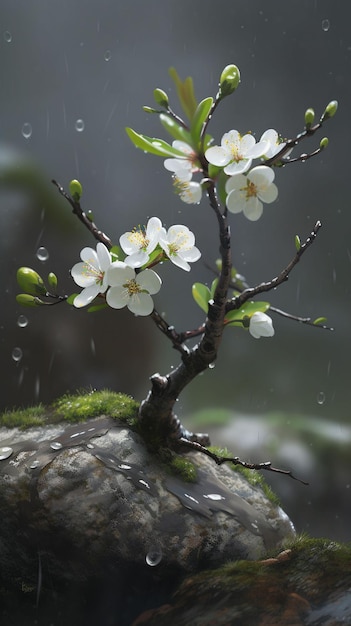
(236, 176)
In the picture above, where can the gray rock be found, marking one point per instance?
(90, 502)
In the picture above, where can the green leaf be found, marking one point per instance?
(201, 295)
(185, 92)
(71, 298)
(117, 253)
(213, 287)
(247, 310)
(156, 256)
(97, 307)
(177, 131)
(200, 116)
(152, 145)
(297, 243)
(30, 281)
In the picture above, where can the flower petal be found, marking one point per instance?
(104, 256)
(253, 209)
(149, 280)
(217, 155)
(235, 201)
(235, 182)
(119, 273)
(80, 275)
(141, 304)
(86, 296)
(88, 255)
(238, 167)
(269, 194)
(117, 297)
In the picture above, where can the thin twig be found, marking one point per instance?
(266, 466)
(239, 300)
(82, 216)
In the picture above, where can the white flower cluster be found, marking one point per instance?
(247, 189)
(123, 282)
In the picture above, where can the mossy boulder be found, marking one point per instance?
(87, 510)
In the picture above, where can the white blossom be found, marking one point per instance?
(91, 273)
(236, 152)
(182, 167)
(179, 245)
(247, 193)
(139, 243)
(189, 191)
(261, 325)
(275, 145)
(131, 289)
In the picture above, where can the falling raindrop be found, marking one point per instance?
(27, 130)
(79, 126)
(108, 55)
(17, 354)
(5, 452)
(154, 556)
(92, 346)
(55, 445)
(321, 397)
(7, 36)
(37, 387)
(325, 25)
(22, 321)
(42, 254)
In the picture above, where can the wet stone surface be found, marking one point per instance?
(88, 505)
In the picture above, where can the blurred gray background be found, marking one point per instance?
(99, 62)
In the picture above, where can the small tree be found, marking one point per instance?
(123, 275)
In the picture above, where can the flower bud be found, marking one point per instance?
(330, 109)
(229, 80)
(149, 110)
(52, 280)
(30, 281)
(323, 143)
(76, 190)
(24, 299)
(309, 117)
(161, 98)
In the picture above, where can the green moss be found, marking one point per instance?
(82, 406)
(24, 418)
(183, 468)
(254, 477)
(76, 408)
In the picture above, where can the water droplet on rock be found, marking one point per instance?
(55, 445)
(35, 464)
(27, 130)
(22, 321)
(42, 254)
(214, 496)
(79, 126)
(5, 452)
(154, 556)
(17, 354)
